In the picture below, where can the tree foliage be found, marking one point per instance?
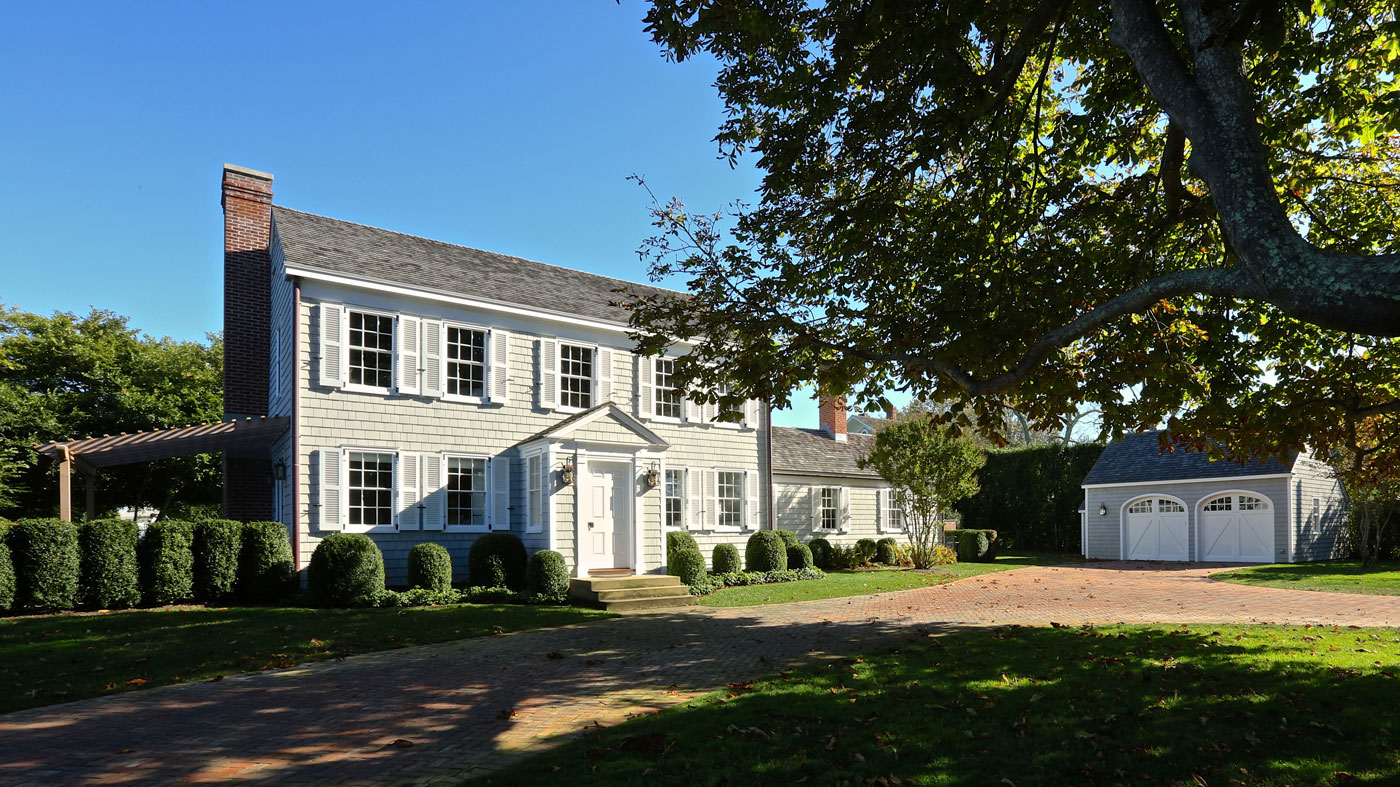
(67, 376)
(1044, 203)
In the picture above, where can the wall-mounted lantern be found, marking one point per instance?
(652, 476)
(1103, 510)
(566, 472)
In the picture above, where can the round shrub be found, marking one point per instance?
(679, 539)
(45, 555)
(430, 568)
(865, 548)
(765, 552)
(547, 575)
(347, 570)
(216, 546)
(725, 559)
(497, 560)
(7, 572)
(789, 538)
(886, 551)
(821, 553)
(688, 564)
(107, 573)
(799, 556)
(265, 569)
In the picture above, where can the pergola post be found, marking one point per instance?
(89, 489)
(65, 486)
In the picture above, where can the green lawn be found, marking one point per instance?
(1210, 705)
(56, 658)
(860, 583)
(1337, 576)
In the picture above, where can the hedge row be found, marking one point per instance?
(49, 564)
(1032, 496)
(712, 582)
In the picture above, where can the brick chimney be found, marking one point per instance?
(831, 411)
(890, 412)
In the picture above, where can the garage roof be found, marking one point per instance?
(1139, 457)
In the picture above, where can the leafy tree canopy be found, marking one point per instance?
(1044, 204)
(66, 376)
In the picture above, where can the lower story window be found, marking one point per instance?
(466, 491)
(535, 471)
(731, 499)
(830, 508)
(675, 498)
(896, 510)
(371, 487)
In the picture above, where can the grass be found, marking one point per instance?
(56, 658)
(1337, 576)
(861, 583)
(1028, 706)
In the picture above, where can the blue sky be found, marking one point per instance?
(505, 126)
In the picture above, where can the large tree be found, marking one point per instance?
(1041, 204)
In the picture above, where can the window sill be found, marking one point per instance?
(369, 389)
(466, 529)
(463, 399)
(665, 419)
(370, 530)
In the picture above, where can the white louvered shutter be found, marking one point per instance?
(751, 413)
(433, 494)
(751, 499)
(406, 476)
(408, 350)
(694, 500)
(500, 366)
(328, 477)
(814, 498)
(845, 509)
(645, 388)
(500, 493)
(603, 376)
(711, 519)
(882, 510)
(548, 374)
(694, 412)
(332, 367)
(434, 367)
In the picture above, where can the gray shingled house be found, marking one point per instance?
(1143, 504)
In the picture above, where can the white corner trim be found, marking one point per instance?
(1233, 478)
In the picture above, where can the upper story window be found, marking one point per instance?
(668, 396)
(730, 496)
(466, 491)
(575, 376)
(466, 362)
(371, 345)
(675, 498)
(370, 483)
(829, 510)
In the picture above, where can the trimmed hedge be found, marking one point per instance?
(821, 553)
(265, 569)
(789, 538)
(679, 539)
(1032, 496)
(167, 563)
(865, 548)
(497, 560)
(887, 551)
(347, 570)
(45, 555)
(688, 564)
(430, 567)
(7, 571)
(713, 582)
(107, 573)
(975, 546)
(547, 575)
(725, 559)
(217, 543)
(799, 556)
(765, 551)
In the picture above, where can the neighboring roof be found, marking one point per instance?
(124, 449)
(1138, 457)
(871, 422)
(349, 249)
(578, 420)
(814, 452)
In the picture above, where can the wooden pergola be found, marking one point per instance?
(90, 454)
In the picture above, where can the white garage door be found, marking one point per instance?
(1156, 530)
(1237, 528)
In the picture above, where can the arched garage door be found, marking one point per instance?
(1238, 527)
(1156, 530)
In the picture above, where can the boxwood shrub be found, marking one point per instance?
(765, 552)
(799, 556)
(216, 546)
(887, 551)
(45, 555)
(547, 575)
(107, 573)
(7, 570)
(821, 553)
(975, 546)
(430, 567)
(497, 560)
(789, 538)
(265, 569)
(347, 570)
(167, 562)
(688, 564)
(865, 548)
(679, 539)
(725, 559)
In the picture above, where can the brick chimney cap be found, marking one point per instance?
(267, 176)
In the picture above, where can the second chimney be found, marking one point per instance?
(831, 410)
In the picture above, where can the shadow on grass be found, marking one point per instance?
(1311, 573)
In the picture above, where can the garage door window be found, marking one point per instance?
(1164, 506)
(1248, 503)
(1220, 504)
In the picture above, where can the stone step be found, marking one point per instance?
(623, 594)
(658, 602)
(594, 584)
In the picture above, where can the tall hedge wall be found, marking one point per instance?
(1031, 496)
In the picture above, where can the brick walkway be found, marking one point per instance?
(436, 711)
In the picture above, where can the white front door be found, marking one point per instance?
(1156, 530)
(1237, 528)
(605, 521)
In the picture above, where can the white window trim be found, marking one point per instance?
(538, 521)
(345, 350)
(685, 483)
(486, 365)
(345, 525)
(485, 526)
(842, 521)
(656, 397)
(889, 506)
(559, 344)
(743, 501)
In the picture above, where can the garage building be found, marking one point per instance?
(1142, 504)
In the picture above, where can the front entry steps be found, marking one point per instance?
(632, 594)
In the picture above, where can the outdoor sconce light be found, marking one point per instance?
(653, 476)
(279, 471)
(566, 473)
(1103, 510)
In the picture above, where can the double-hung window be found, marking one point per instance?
(370, 483)
(675, 498)
(575, 376)
(667, 400)
(536, 479)
(466, 362)
(895, 513)
(730, 498)
(731, 415)
(829, 510)
(371, 345)
(466, 492)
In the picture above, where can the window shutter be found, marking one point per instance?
(603, 376)
(434, 368)
(332, 366)
(548, 382)
(432, 492)
(694, 412)
(814, 496)
(406, 478)
(711, 518)
(751, 504)
(500, 493)
(409, 351)
(499, 371)
(845, 509)
(645, 392)
(751, 416)
(882, 510)
(694, 500)
(329, 480)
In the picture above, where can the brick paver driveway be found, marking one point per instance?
(439, 710)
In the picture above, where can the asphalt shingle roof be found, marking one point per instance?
(346, 248)
(813, 452)
(1138, 457)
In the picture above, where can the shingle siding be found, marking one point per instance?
(1321, 537)
(794, 508)
(1104, 536)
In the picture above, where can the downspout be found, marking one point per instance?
(296, 424)
(768, 449)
